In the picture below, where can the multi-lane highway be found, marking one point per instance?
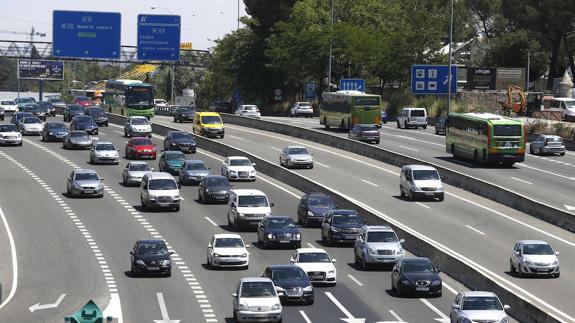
(80, 247)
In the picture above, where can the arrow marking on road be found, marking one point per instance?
(350, 318)
(36, 307)
(569, 207)
(164, 311)
(442, 317)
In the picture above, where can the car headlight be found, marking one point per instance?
(166, 262)
(244, 255)
(504, 320)
(49, 133)
(398, 251)
(310, 213)
(297, 236)
(555, 262)
(207, 190)
(334, 229)
(241, 215)
(371, 251)
(232, 171)
(140, 262)
(216, 255)
(176, 198)
(252, 172)
(527, 261)
(331, 271)
(276, 307)
(242, 307)
(308, 288)
(76, 185)
(270, 236)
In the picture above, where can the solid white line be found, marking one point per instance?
(210, 220)
(395, 316)
(306, 319)
(274, 148)
(545, 171)
(451, 289)
(408, 148)
(433, 308)
(310, 245)
(370, 183)
(521, 180)
(163, 309)
(114, 308)
(339, 305)
(116, 131)
(320, 164)
(414, 139)
(238, 138)
(472, 228)
(421, 204)
(354, 280)
(14, 261)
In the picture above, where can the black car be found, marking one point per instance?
(291, 283)
(180, 140)
(38, 111)
(18, 116)
(98, 114)
(85, 123)
(415, 276)
(278, 231)
(50, 108)
(151, 257)
(214, 188)
(312, 208)
(365, 132)
(54, 131)
(341, 226)
(71, 111)
(441, 126)
(184, 114)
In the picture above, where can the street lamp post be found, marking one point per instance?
(330, 51)
(174, 64)
(449, 64)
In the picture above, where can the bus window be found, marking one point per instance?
(507, 130)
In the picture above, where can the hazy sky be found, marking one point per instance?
(202, 21)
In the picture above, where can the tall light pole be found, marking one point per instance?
(528, 66)
(173, 63)
(330, 51)
(238, 14)
(449, 64)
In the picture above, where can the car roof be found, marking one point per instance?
(173, 152)
(415, 259)
(272, 267)
(255, 280)
(375, 228)
(550, 136)
(150, 241)
(194, 161)
(344, 211)
(137, 117)
(227, 235)
(76, 131)
(238, 157)
(317, 194)
(212, 176)
(245, 191)
(413, 108)
(278, 217)
(104, 143)
(137, 162)
(208, 114)
(471, 293)
(533, 242)
(159, 175)
(294, 146)
(419, 167)
(563, 99)
(311, 250)
(139, 138)
(85, 171)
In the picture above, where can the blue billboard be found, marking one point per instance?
(433, 79)
(159, 37)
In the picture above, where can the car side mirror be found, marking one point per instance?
(234, 295)
(517, 253)
(455, 306)
(401, 240)
(179, 185)
(132, 253)
(171, 252)
(209, 245)
(557, 253)
(292, 260)
(437, 269)
(334, 260)
(272, 204)
(364, 221)
(253, 164)
(102, 179)
(506, 307)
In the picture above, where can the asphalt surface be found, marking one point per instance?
(55, 255)
(475, 227)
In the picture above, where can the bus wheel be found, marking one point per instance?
(475, 158)
(453, 150)
(342, 125)
(325, 124)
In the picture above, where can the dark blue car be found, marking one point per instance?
(54, 131)
(383, 116)
(86, 123)
(312, 208)
(292, 283)
(278, 231)
(341, 226)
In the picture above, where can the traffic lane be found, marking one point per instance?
(138, 294)
(53, 257)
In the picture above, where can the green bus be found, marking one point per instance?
(485, 138)
(129, 98)
(345, 109)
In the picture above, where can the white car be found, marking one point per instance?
(9, 135)
(104, 153)
(534, 257)
(475, 306)
(246, 208)
(420, 181)
(256, 300)
(159, 190)
(137, 126)
(316, 263)
(238, 168)
(31, 126)
(248, 110)
(227, 250)
(160, 103)
(8, 106)
(301, 109)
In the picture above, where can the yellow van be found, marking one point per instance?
(208, 124)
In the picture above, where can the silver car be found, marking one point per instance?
(534, 257)
(377, 244)
(104, 153)
(83, 182)
(137, 126)
(77, 139)
(31, 126)
(134, 171)
(547, 144)
(193, 171)
(478, 307)
(296, 156)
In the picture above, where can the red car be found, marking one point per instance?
(140, 148)
(83, 101)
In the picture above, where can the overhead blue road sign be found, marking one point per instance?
(352, 85)
(310, 90)
(433, 79)
(159, 37)
(86, 34)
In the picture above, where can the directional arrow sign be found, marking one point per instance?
(36, 307)
(350, 318)
(164, 311)
(569, 207)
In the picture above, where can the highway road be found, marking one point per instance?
(80, 247)
(477, 228)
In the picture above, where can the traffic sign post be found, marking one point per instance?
(352, 85)
(86, 34)
(433, 79)
(159, 37)
(310, 89)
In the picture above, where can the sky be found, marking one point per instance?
(203, 22)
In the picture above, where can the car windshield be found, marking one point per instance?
(182, 135)
(313, 257)
(507, 130)
(383, 236)
(163, 184)
(139, 121)
(570, 104)
(293, 273)
(240, 162)
(368, 128)
(253, 201)
(196, 166)
(152, 249)
(76, 108)
(142, 142)
(84, 120)
(7, 103)
(96, 112)
(175, 156)
(8, 128)
(553, 139)
(105, 147)
(298, 151)
(417, 267)
(139, 167)
(86, 177)
(31, 120)
(56, 126)
(537, 249)
(25, 100)
(321, 201)
(82, 98)
(347, 219)
(278, 223)
(228, 243)
(78, 134)
(217, 181)
(425, 175)
(258, 289)
(186, 110)
(211, 120)
(481, 304)
(252, 108)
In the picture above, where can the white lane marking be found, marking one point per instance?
(545, 171)
(521, 180)
(339, 305)
(236, 137)
(305, 318)
(310, 245)
(39, 306)
(412, 131)
(320, 164)
(14, 260)
(421, 204)
(355, 280)
(395, 316)
(116, 131)
(114, 308)
(211, 221)
(472, 228)
(163, 309)
(370, 183)
(409, 148)
(274, 148)
(433, 308)
(451, 289)
(414, 139)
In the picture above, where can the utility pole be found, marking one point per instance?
(330, 51)
(449, 64)
(528, 66)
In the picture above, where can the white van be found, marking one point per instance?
(159, 190)
(420, 181)
(246, 208)
(567, 106)
(412, 118)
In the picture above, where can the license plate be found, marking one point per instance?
(89, 192)
(422, 289)
(153, 268)
(316, 277)
(284, 241)
(429, 193)
(349, 236)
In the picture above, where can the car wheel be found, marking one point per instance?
(364, 264)
(311, 166)
(329, 239)
(133, 271)
(562, 154)
(201, 198)
(405, 124)
(519, 272)
(100, 196)
(540, 151)
(20, 144)
(557, 275)
(398, 125)
(436, 132)
(310, 302)
(356, 259)
(511, 267)
(230, 224)
(531, 150)
(424, 127)
(323, 238)
(399, 291)
(411, 196)
(441, 197)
